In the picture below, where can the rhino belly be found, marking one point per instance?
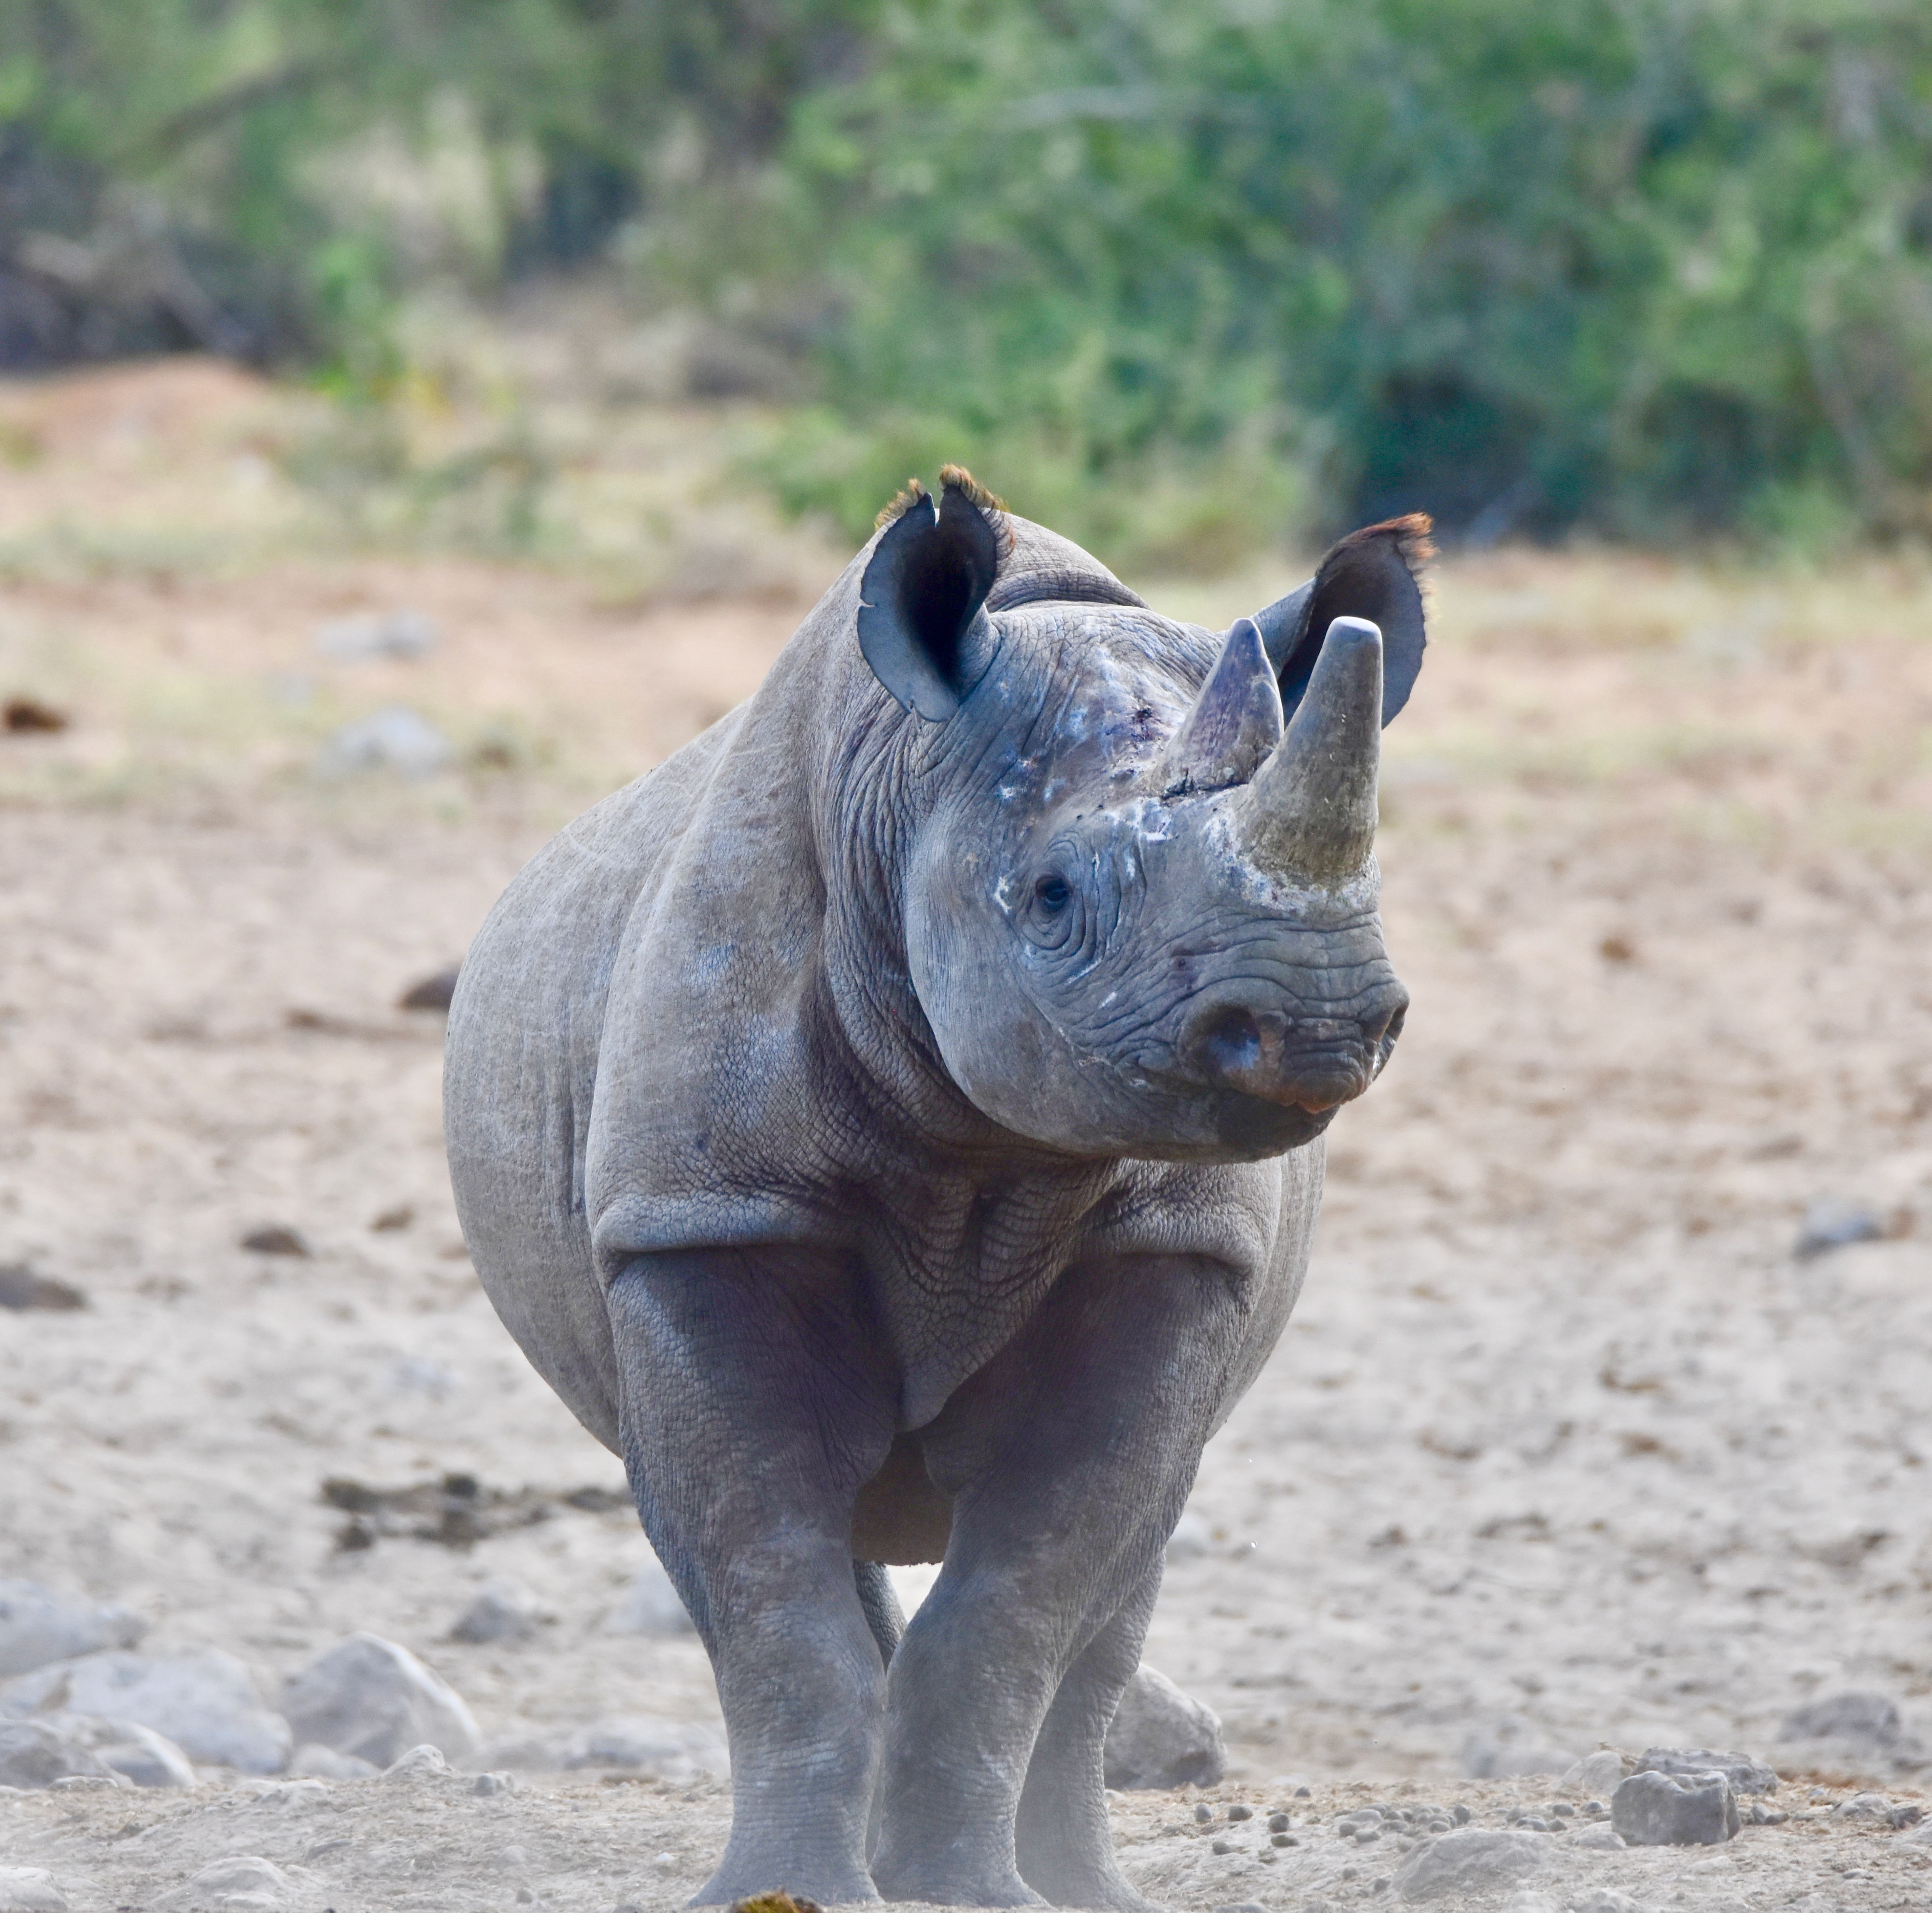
(902, 1518)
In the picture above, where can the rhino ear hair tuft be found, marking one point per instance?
(901, 501)
(920, 622)
(1376, 573)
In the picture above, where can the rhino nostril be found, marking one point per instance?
(1382, 1034)
(1231, 1044)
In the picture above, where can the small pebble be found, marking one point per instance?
(275, 1240)
(1238, 1812)
(1279, 1823)
(1224, 1846)
(1283, 1839)
(435, 992)
(1460, 1814)
(1203, 1813)
(22, 715)
(1563, 1810)
(1303, 1793)
(21, 1289)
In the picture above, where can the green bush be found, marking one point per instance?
(1182, 278)
(1655, 268)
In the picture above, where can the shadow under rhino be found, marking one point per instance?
(894, 1125)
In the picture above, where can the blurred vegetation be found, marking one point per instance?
(1182, 279)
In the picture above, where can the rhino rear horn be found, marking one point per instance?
(1236, 721)
(1309, 814)
(1374, 573)
(922, 626)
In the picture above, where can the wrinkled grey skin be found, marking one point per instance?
(877, 1201)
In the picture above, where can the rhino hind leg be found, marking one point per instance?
(751, 1415)
(1062, 1839)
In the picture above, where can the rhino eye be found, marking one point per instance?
(1054, 893)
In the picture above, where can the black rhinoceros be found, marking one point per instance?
(893, 1125)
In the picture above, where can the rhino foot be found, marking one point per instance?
(1100, 1885)
(934, 1881)
(734, 1882)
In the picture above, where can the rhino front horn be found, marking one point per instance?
(1309, 815)
(1236, 721)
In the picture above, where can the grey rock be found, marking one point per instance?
(30, 1890)
(136, 1752)
(312, 1760)
(1829, 1224)
(436, 991)
(358, 640)
(1865, 1720)
(651, 1606)
(21, 1289)
(368, 1697)
(1746, 1775)
(242, 1883)
(1674, 1809)
(1600, 1839)
(1161, 1737)
(503, 1610)
(672, 1749)
(1508, 1751)
(276, 1238)
(395, 738)
(1474, 1861)
(1878, 1807)
(39, 1624)
(34, 1754)
(1596, 1773)
(422, 1763)
(206, 1701)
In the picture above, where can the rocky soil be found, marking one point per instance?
(1568, 1444)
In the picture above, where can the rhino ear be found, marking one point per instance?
(921, 624)
(1376, 573)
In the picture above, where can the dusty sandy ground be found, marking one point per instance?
(1564, 1447)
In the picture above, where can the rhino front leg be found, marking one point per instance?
(1069, 1458)
(754, 1405)
(1063, 1844)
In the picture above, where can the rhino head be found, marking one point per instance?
(1138, 893)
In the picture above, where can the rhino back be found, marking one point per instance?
(526, 1030)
